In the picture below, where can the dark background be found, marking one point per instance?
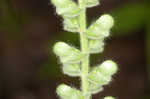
(30, 70)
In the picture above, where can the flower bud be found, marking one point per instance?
(71, 24)
(92, 3)
(71, 69)
(95, 32)
(97, 78)
(60, 3)
(66, 8)
(106, 22)
(67, 54)
(109, 97)
(96, 46)
(66, 92)
(72, 58)
(101, 28)
(108, 68)
(62, 49)
(94, 88)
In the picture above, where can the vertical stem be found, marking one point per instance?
(84, 48)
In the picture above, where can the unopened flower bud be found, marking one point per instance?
(109, 97)
(66, 92)
(72, 58)
(101, 28)
(67, 54)
(71, 24)
(96, 46)
(95, 88)
(71, 69)
(60, 3)
(97, 78)
(106, 22)
(62, 49)
(108, 68)
(92, 3)
(66, 8)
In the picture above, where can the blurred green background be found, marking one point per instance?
(30, 70)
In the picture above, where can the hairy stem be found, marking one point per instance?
(84, 47)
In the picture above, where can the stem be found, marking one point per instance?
(84, 48)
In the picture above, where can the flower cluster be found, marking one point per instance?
(72, 57)
(101, 75)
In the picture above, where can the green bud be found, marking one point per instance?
(66, 92)
(67, 54)
(62, 49)
(97, 78)
(60, 3)
(72, 58)
(106, 22)
(92, 3)
(94, 88)
(71, 24)
(96, 46)
(71, 69)
(66, 8)
(101, 28)
(109, 97)
(108, 68)
(95, 32)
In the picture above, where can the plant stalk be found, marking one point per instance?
(84, 48)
